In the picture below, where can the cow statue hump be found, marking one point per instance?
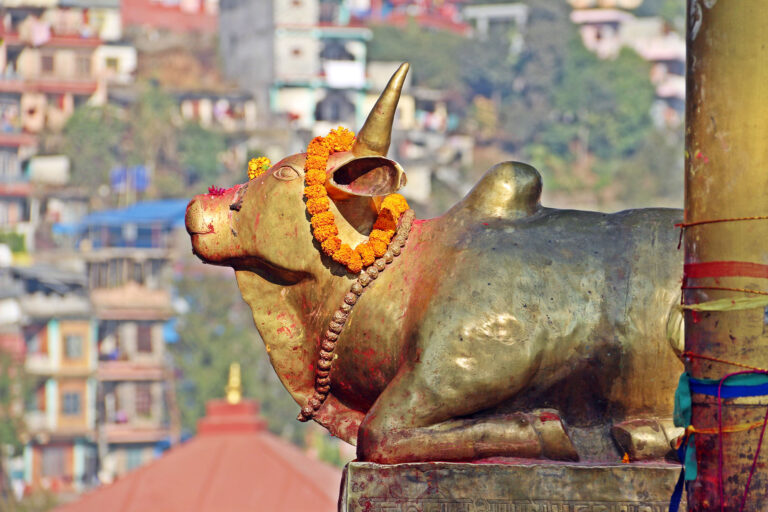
(499, 329)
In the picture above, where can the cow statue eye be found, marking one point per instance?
(286, 173)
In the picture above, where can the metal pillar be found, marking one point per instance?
(726, 177)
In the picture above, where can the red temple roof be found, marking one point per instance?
(233, 464)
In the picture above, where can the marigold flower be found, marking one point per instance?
(322, 219)
(382, 236)
(315, 177)
(395, 203)
(331, 245)
(340, 139)
(366, 253)
(258, 166)
(318, 205)
(315, 191)
(343, 254)
(323, 233)
(355, 264)
(315, 162)
(379, 247)
(386, 221)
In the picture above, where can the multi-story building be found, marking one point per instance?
(181, 16)
(128, 253)
(428, 14)
(60, 339)
(54, 56)
(297, 57)
(606, 31)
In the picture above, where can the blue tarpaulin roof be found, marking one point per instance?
(166, 212)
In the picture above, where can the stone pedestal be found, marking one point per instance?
(519, 487)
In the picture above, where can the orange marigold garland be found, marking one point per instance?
(323, 221)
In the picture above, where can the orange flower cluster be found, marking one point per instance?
(323, 221)
(258, 166)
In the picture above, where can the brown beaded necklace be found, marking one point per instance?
(331, 336)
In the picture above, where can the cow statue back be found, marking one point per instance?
(499, 329)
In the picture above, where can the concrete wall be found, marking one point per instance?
(246, 42)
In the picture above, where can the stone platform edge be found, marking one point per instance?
(516, 487)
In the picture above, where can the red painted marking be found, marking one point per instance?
(725, 269)
(701, 156)
(548, 416)
(485, 223)
(284, 330)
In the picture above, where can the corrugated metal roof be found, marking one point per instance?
(167, 212)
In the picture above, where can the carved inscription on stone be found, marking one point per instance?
(534, 487)
(487, 505)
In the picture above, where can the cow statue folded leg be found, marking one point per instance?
(500, 329)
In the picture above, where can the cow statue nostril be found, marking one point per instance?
(194, 219)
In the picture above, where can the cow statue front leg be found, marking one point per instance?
(421, 416)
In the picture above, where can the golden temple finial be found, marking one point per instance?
(234, 386)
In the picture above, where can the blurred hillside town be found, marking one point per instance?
(113, 113)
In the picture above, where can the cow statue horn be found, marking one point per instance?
(374, 137)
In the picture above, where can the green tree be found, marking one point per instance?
(432, 54)
(603, 106)
(537, 70)
(216, 331)
(198, 151)
(13, 389)
(91, 139)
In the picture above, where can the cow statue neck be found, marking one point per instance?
(505, 328)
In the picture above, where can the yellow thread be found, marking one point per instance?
(728, 429)
(729, 304)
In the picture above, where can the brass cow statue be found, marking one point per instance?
(504, 329)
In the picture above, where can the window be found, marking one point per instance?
(138, 273)
(36, 340)
(71, 404)
(144, 398)
(133, 458)
(54, 461)
(111, 63)
(83, 65)
(73, 346)
(144, 337)
(46, 63)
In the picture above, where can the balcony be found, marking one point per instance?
(131, 433)
(50, 85)
(132, 302)
(129, 370)
(37, 421)
(16, 139)
(40, 364)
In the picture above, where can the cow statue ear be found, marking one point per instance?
(367, 176)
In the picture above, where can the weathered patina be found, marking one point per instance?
(504, 329)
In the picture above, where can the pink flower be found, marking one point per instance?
(216, 191)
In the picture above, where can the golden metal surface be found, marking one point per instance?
(727, 177)
(234, 385)
(504, 329)
(531, 487)
(374, 136)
